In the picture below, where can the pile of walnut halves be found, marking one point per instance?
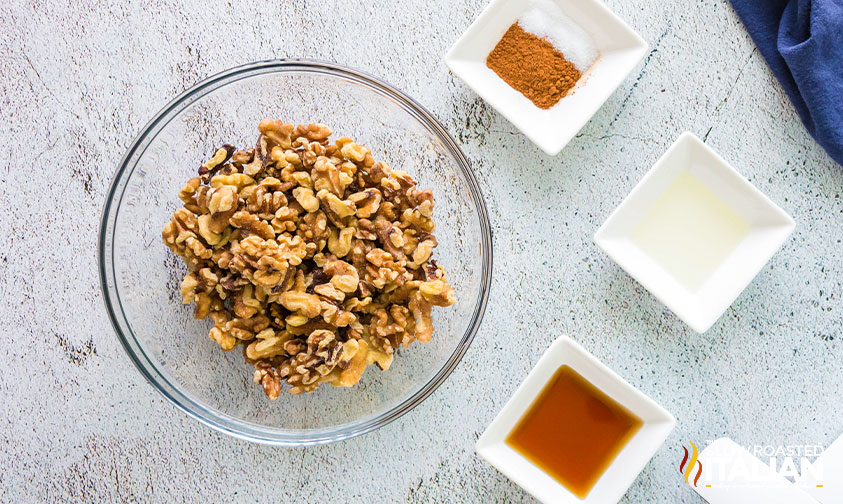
(309, 254)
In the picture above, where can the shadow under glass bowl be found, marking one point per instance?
(140, 277)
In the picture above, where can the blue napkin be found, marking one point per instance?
(802, 41)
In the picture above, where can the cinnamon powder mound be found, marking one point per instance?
(533, 67)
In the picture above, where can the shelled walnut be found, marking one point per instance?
(313, 257)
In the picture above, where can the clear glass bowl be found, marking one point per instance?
(140, 276)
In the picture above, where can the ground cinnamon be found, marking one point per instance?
(532, 66)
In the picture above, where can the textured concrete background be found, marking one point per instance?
(79, 80)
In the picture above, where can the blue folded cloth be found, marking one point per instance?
(802, 41)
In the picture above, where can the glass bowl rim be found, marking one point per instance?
(192, 407)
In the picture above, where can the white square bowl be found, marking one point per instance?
(769, 225)
(551, 129)
(657, 424)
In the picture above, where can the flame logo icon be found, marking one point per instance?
(687, 466)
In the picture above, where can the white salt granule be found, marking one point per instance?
(545, 19)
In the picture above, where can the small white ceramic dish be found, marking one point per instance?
(613, 484)
(769, 227)
(551, 129)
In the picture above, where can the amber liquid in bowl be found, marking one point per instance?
(573, 431)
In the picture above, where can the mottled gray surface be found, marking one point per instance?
(79, 80)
